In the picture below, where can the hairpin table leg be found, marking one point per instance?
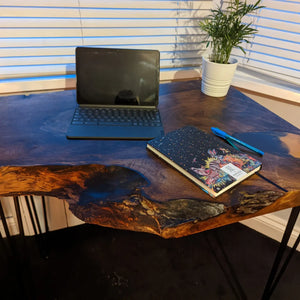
(31, 215)
(6, 250)
(36, 223)
(3, 219)
(273, 280)
(45, 214)
(23, 259)
(19, 216)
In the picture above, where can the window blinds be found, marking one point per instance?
(275, 49)
(38, 37)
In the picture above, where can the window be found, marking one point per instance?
(38, 37)
(273, 57)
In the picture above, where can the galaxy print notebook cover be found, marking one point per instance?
(204, 158)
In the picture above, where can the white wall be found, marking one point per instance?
(58, 215)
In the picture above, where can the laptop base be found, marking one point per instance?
(114, 132)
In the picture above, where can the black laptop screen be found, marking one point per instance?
(117, 76)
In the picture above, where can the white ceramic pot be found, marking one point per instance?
(216, 78)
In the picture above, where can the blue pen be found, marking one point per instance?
(230, 138)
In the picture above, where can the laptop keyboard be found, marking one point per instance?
(116, 117)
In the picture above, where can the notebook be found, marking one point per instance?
(205, 159)
(117, 93)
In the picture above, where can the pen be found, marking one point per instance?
(230, 138)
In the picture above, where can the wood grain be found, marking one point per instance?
(122, 185)
(114, 196)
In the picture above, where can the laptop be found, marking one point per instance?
(117, 94)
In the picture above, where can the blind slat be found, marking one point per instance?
(183, 4)
(112, 23)
(279, 15)
(98, 41)
(31, 51)
(279, 25)
(40, 32)
(175, 40)
(148, 4)
(40, 70)
(32, 12)
(270, 50)
(288, 63)
(283, 5)
(103, 32)
(67, 59)
(46, 3)
(277, 43)
(36, 60)
(286, 54)
(137, 14)
(46, 51)
(282, 61)
(274, 68)
(40, 42)
(288, 36)
(13, 23)
(39, 22)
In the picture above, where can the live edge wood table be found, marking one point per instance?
(118, 183)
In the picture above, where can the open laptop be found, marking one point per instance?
(117, 94)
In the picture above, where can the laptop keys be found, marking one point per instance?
(116, 117)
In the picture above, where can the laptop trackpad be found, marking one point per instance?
(113, 132)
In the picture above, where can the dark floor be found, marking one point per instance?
(91, 262)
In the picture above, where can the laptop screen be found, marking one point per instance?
(117, 76)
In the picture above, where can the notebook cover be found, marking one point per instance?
(204, 158)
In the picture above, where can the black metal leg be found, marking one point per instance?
(36, 215)
(2, 243)
(36, 223)
(45, 214)
(284, 266)
(5, 251)
(9, 270)
(273, 280)
(22, 259)
(2, 216)
(19, 216)
(31, 215)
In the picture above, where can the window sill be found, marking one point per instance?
(244, 79)
(264, 84)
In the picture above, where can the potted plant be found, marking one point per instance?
(225, 30)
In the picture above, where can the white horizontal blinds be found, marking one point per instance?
(275, 49)
(38, 37)
(169, 26)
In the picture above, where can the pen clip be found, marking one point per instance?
(232, 144)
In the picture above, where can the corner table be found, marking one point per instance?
(120, 184)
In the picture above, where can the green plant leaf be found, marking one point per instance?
(225, 29)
